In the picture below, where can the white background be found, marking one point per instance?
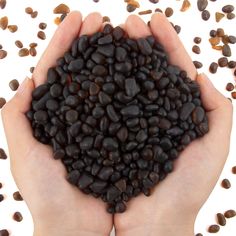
(14, 67)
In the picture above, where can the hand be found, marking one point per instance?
(57, 207)
(173, 206)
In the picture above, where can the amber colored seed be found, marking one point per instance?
(28, 10)
(233, 95)
(4, 22)
(34, 14)
(169, 12)
(41, 35)
(225, 39)
(226, 183)
(33, 52)
(214, 229)
(230, 16)
(105, 19)
(42, 26)
(158, 10)
(221, 219)
(220, 32)
(197, 40)
(2, 103)
(185, 6)
(32, 69)
(3, 53)
(217, 47)
(219, 16)
(23, 52)
(145, 12)
(19, 44)
(214, 40)
(57, 20)
(61, 9)
(3, 4)
(17, 216)
(234, 170)
(196, 49)
(230, 213)
(33, 45)
(12, 28)
(134, 3)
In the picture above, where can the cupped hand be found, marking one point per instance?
(174, 203)
(57, 207)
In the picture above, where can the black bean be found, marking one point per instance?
(104, 99)
(105, 173)
(131, 87)
(112, 113)
(73, 177)
(76, 65)
(198, 115)
(144, 46)
(85, 180)
(106, 50)
(130, 111)
(186, 110)
(110, 144)
(72, 116)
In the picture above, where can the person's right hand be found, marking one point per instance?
(57, 207)
(174, 203)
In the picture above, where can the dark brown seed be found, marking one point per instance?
(197, 40)
(206, 15)
(34, 14)
(28, 10)
(130, 8)
(169, 12)
(219, 16)
(0, 46)
(17, 216)
(17, 196)
(220, 32)
(196, 49)
(4, 232)
(226, 184)
(2, 103)
(154, 1)
(234, 169)
(42, 26)
(199, 234)
(213, 67)
(23, 52)
(230, 16)
(3, 53)
(3, 4)
(232, 64)
(202, 4)
(19, 44)
(177, 29)
(225, 39)
(228, 8)
(61, 9)
(158, 10)
(221, 219)
(197, 64)
(33, 45)
(145, 12)
(233, 95)
(214, 229)
(1, 197)
(185, 6)
(41, 35)
(32, 69)
(223, 62)
(14, 84)
(230, 213)
(232, 39)
(12, 28)
(33, 52)
(229, 87)
(3, 155)
(4, 22)
(213, 33)
(226, 50)
(105, 19)
(0, 185)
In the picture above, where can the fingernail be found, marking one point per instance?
(23, 85)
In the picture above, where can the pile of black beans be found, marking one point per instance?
(117, 114)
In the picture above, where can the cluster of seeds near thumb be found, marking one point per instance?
(117, 114)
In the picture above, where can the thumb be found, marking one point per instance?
(16, 125)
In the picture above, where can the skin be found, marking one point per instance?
(174, 203)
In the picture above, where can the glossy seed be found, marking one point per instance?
(219, 16)
(3, 54)
(17, 216)
(19, 44)
(42, 26)
(230, 213)
(196, 49)
(214, 228)
(4, 232)
(226, 51)
(221, 219)
(229, 87)
(223, 62)
(169, 12)
(2, 102)
(226, 184)
(228, 8)
(17, 196)
(28, 10)
(41, 35)
(3, 22)
(185, 5)
(12, 28)
(14, 84)
(61, 9)
(234, 169)
(23, 52)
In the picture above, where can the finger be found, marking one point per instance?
(166, 35)
(219, 111)
(17, 128)
(136, 27)
(92, 23)
(60, 43)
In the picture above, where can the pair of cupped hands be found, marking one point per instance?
(60, 209)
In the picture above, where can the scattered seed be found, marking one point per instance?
(214, 229)
(145, 12)
(177, 29)
(41, 35)
(220, 32)
(226, 51)
(225, 39)
(232, 39)
(213, 33)
(106, 19)
(61, 9)
(185, 6)
(57, 20)
(197, 40)
(223, 62)
(197, 64)
(202, 4)
(34, 14)
(169, 12)
(0, 46)
(214, 41)
(213, 67)
(62, 17)
(234, 169)
(130, 8)
(17, 216)
(229, 87)
(14, 84)
(158, 10)
(3, 4)
(28, 10)
(221, 219)
(4, 232)
(3, 22)
(0, 185)
(219, 16)
(230, 16)
(33, 45)
(33, 52)
(232, 64)
(1, 197)
(12, 28)
(206, 15)
(233, 95)
(196, 49)
(2, 103)
(32, 69)
(154, 1)
(23, 52)
(199, 234)
(217, 47)
(3, 54)
(228, 8)
(42, 26)
(19, 44)
(226, 183)
(3, 155)
(17, 196)
(230, 213)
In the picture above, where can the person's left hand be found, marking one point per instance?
(57, 207)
